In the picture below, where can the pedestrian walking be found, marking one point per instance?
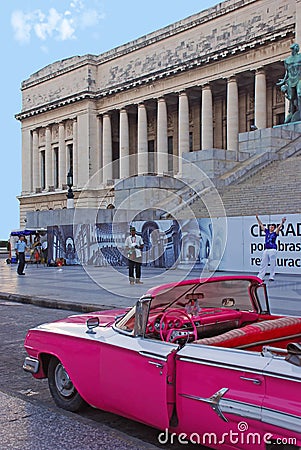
(20, 248)
(133, 246)
(270, 248)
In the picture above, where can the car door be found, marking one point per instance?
(281, 414)
(136, 377)
(219, 393)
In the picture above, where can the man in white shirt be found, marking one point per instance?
(133, 246)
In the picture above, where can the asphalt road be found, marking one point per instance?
(15, 320)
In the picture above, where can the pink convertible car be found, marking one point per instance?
(203, 361)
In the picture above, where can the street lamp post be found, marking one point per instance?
(70, 195)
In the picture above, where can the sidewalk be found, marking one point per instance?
(95, 288)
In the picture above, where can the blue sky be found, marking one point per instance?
(36, 33)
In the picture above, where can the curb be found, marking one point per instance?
(55, 304)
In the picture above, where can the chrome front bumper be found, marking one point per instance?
(31, 365)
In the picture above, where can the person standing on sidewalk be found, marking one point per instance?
(20, 252)
(133, 246)
(270, 248)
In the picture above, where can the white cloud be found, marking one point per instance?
(21, 26)
(66, 30)
(54, 24)
(90, 18)
(78, 5)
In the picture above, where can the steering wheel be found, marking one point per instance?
(166, 332)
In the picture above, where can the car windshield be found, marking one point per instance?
(233, 294)
(197, 296)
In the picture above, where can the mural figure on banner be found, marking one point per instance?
(61, 247)
(110, 239)
(154, 244)
(70, 251)
(162, 242)
(196, 242)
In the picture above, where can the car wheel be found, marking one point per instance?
(61, 387)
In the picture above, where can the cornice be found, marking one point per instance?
(160, 74)
(180, 26)
(55, 104)
(81, 62)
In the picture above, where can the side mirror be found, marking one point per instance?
(93, 322)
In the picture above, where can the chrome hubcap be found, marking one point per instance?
(62, 381)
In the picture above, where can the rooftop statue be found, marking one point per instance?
(291, 84)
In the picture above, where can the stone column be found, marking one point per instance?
(232, 114)
(107, 149)
(183, 127)
(82, 147)
(48, 159)
(100, 148)
(162, 150)
(62, 156)
(26, 161)
(207, 115)
(142, 140)
(260, 99)
(75, 154)
(35, 162)
(124, 168)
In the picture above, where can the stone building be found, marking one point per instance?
(187, 89)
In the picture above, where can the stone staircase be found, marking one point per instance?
(252, 184)
(275, 188)
(256, 162)
(183, 198)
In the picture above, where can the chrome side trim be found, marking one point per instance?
(269, 416)
(152, 355)
(282, 377)
(280, 419)
(242, 409)
(213, 401)
(229, 406)
(31, 365)
(222, 365)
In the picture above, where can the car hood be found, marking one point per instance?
(106, 318)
